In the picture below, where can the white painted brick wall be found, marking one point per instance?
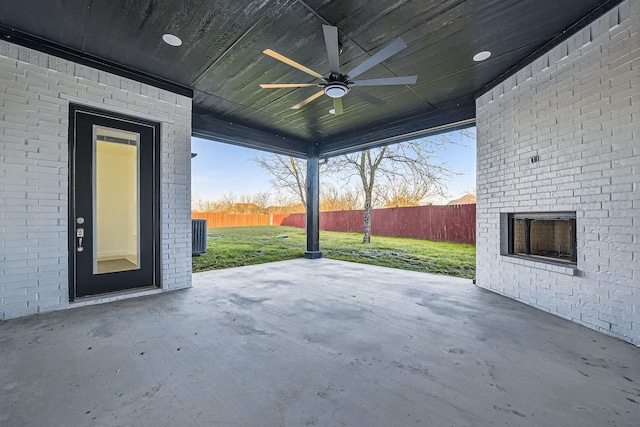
(578, 109)
(35, 91)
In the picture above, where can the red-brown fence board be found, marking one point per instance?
(215, 219)
(440, 223)
(296, 220)
(279, 218)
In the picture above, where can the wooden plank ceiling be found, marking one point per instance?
(221, 57)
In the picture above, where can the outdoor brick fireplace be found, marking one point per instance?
(560, 137)
(543, 236)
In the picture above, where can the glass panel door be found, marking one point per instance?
(116, 204)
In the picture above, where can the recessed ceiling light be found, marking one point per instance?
(332, 111)
(172, 40)
(481, 56)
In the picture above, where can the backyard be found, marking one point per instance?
(238, 246)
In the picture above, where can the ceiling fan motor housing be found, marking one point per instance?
(336, 89)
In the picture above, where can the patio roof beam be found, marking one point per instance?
(415, 125)
(209, 127)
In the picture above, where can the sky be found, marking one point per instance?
(220, 169)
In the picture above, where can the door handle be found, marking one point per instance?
(80, 236)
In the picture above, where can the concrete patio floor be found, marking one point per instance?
(314, 343)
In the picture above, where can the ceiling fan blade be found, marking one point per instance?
(337, 106)
(285, 85)
(368, 98)
(308, 100)
(385, 53)
(331, 41)
(291, 62)
(406, 80)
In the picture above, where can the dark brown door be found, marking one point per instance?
(114, 203)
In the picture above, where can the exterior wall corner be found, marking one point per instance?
(576, 108)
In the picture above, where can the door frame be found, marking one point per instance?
(74, 109)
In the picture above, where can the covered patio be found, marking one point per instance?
(551, 87)
(356, 346)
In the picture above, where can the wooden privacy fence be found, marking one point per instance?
(440, 223)
(216, 219)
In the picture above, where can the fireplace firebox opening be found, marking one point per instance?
(548, 236)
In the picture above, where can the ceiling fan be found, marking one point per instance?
(337, 85)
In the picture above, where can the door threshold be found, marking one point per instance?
(115, 296)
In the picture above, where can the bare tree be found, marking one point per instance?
(403, 194)
(227, 203)
(411, 164)
(468, 133)
(262, 200)
(471, 189)
(365, 165)
(284, 202)
(332, 199)
(287, 173)
(383, 173)
(258, 203)
(198, 204)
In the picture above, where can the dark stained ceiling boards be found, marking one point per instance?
(221, 58)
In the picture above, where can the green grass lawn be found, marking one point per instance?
(237, 246)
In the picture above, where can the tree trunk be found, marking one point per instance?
(366, 238)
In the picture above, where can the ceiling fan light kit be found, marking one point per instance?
(337, 85)
(336, 89)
